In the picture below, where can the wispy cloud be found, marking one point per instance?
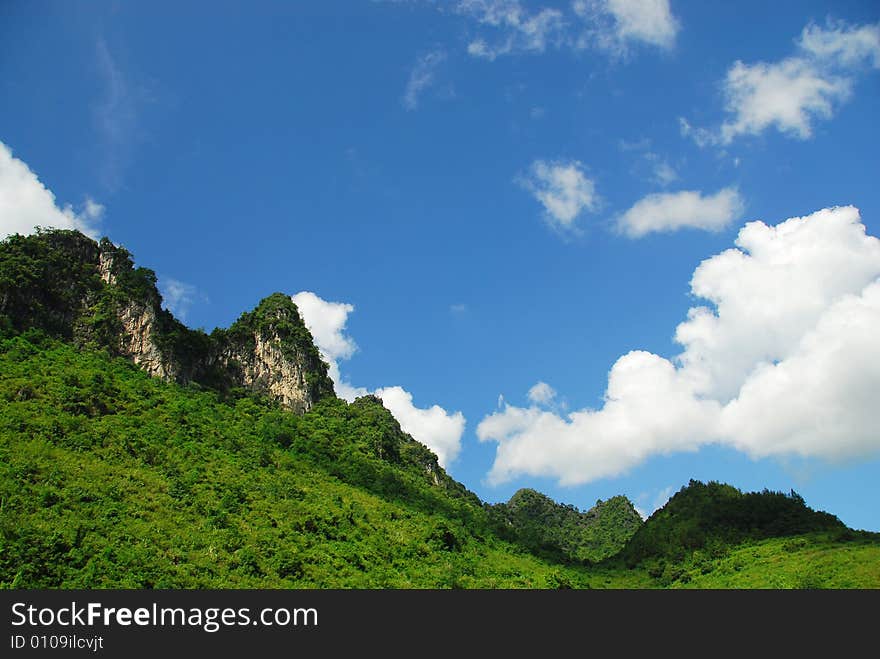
(618, 25)
(421, 77)
(509, 27)
(117, 114)
(518, 30)
(178, 296)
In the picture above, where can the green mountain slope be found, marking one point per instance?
(138, 453)
(110, 478)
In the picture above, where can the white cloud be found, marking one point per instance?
(787, 95)
(616, 24)
(791, 94)
(326, 321)
(421, 77)
(520, 31)
(670, 211)
(784, 362)
(821, 400)
(117, 116)
(563, 190)
(846, 45)
(434, 427)
(541, 393)
(26, 203)
(178, 296)
(664, 173)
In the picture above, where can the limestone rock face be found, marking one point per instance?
(267, 369)
(137, 341)
(105, 267)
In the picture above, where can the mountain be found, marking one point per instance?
(713, 515)
(90, 294)
(562, 531)
(138, 453)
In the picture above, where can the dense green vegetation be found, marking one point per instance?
(713, 516)
(562, 532)
(111, 478)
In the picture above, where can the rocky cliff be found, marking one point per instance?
(90, 293)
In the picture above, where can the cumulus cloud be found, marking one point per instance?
(25, 203)
(563, 190)
(791, 94)
(670, 211)
(421, 78)
(433, 426)
(617, 24)
(783, 360)
(327, 323)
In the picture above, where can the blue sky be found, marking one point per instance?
(486, 195)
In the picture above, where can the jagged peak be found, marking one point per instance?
(91, 293)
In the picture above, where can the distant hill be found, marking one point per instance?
(714, 515)
(561, 531)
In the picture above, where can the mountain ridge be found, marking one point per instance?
(89, 292)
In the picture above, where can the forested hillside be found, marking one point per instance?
(224, 460)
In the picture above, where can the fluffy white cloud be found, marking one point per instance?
(563, 190)
(26, 203)
(434, 427)
(821, 400)
(421, 77)
(791, 94)
(670, 211)
(784, 362)
(541, 393)
(786, 95)
(623, 22)
(326, 321)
